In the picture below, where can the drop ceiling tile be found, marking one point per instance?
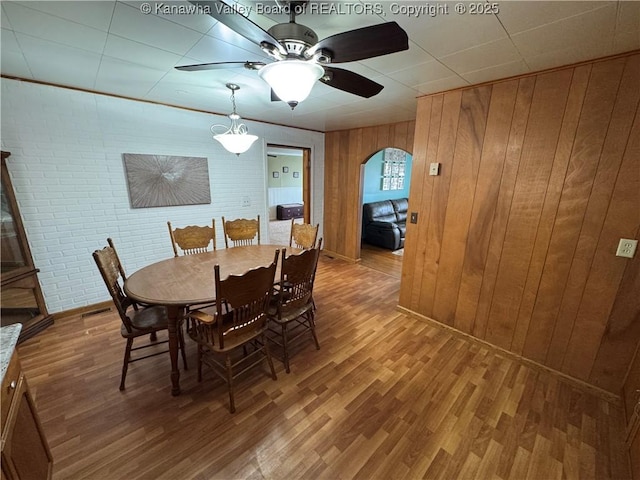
(628, 18)
(518, 16)
(493, 53)
(399, 60)
(263, 21)
(278, 116)
(446, 34)
(224, 33)
(172, 95)
(580, 29)
(396, 94)
(4, 19)
(496, 72)
(128, 50)
(157, 32)
(199, 98)
(114, 76)
(12, 62)
(424, 72)
(171, 11)
(48, 27)
(14, 65)
(569, 55)
(625, 42)
(441, 85)
(95, 14)
(344, 119)
(209, 50)
(9, 42)
(44, 61)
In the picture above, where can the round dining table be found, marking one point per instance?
(189, 280)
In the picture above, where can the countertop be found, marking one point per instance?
(8, 339)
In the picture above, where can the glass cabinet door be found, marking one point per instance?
(21, 299)
(11, 256)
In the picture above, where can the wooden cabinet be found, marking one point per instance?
(21, 300)
(25, 452)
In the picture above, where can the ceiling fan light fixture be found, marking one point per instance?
(291, 80)
(236, 139)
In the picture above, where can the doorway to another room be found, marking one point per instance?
(385, 192)
(288, 190)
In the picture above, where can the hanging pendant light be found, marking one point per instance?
(236, 139)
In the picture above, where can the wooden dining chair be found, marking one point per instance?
(238, 322)
(303, 235)
(193, 238)
(136, 320)
(241, 231)
(292, 312)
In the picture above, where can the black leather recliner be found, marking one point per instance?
(384, 223)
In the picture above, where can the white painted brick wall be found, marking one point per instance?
(67, 169)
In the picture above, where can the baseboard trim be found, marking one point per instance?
(330, 254)
(580, 384)
(84, 311)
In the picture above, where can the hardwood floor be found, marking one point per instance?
(381, 259)
(386, 396)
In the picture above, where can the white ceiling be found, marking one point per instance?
(112, 47)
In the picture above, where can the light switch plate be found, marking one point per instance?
(626, 248)
(434, 169)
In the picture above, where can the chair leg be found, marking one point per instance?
(267, 352)
(312, 327)
(232, 404)
(153, 337)
(285, 348)
(125, 364)
(181, 342)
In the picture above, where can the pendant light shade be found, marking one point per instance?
(236, 139)
(291, 80)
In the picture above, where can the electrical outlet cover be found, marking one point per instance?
(627, 248)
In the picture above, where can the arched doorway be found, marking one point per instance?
(385, 179)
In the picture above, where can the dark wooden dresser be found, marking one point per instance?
(290, 210)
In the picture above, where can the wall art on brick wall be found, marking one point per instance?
(165, 180)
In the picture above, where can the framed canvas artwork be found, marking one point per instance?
(165, 180)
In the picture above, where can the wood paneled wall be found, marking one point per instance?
(345, 152)
(516, 238)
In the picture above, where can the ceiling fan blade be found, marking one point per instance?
(233, 18)
(216, 65)
(350, 82)
(363, 43)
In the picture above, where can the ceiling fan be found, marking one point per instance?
(300, 58)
